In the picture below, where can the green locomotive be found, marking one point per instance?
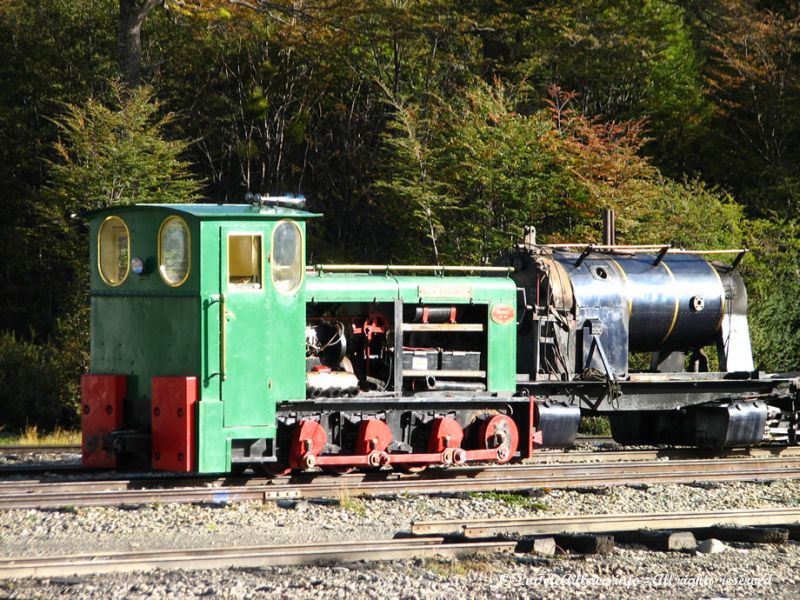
(214, 348)
(204, 321)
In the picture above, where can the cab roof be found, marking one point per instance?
(212, 211)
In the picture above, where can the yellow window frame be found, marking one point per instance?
(188, 251)
(301, 266)
(100, 254)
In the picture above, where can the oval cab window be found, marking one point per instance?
(287, 257)
(174, 246)
(113, 249)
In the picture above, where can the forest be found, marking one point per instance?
(425, 131)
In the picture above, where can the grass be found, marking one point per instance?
(512, 499)
(31, 436)
(350, 504)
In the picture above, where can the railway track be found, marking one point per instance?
(541, 456)
(471, 537)
(608, 523)
(44, 449)
(242, 556)
(33, 494)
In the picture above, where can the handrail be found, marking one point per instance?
(321, 268)
(607, 247)
(223, 338)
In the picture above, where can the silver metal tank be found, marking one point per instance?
(674, 304)
(590, 309)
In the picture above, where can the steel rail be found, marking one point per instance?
(608, 523)
(611, 455)
(242, 556)
(44, 449)
(516, 477)
(541, 456)
(515, 471)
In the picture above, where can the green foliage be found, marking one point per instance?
(773, 275)
(37, 385)
(424, 131)
(754, 83)
(118, 155)
(627, 60)
(594, 426)
(54, 52)
(468, 174)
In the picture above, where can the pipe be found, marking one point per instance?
(433, 384)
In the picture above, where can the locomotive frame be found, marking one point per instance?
(214, 348)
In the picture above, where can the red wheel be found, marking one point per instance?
(500, 431)
(373, 435)
(307, 438)
(445, 433)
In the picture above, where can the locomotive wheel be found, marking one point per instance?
(307, 438)
(445, 433)
(373, 435)
(500, 431)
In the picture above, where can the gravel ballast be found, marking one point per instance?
(742, 570)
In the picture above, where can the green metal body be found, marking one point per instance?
(445, 290)
(246, 358)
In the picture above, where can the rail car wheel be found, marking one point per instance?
(500, 431)
(308, 440)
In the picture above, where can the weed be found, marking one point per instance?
(512, 499)
(594, 426)
(458, 567)
(350, 504)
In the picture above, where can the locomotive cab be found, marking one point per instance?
(197, 321)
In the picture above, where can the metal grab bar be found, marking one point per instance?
(405, 268)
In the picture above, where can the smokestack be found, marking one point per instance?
(609, 227)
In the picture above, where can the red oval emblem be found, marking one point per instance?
(502, 314)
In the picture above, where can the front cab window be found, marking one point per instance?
(287, 257)
(113, 250)
(244, 261)
(174, 251)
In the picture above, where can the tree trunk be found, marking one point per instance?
(132, 14)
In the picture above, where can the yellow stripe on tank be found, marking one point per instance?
(721, 295)
(677, 304)
(625, 282)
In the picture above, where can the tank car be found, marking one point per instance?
(585, 310)
(214, 348)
